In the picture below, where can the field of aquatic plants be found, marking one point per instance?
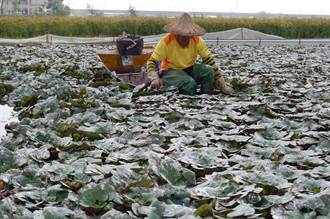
(87, 146)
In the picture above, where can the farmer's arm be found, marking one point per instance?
(157, 56)
(207, 57)
(219, 82)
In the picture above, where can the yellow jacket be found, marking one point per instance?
(172, 55)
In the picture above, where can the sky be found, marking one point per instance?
(317, 7)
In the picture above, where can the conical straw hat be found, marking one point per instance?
(184, 26)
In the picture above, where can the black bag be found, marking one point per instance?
(129, 45)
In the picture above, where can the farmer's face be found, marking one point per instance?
(183, 40)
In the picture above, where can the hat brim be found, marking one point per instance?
(187, 30)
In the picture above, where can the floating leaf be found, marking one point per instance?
(204, 210)
(242, 210)
(171, 171)
(95, 197)
(57, 213)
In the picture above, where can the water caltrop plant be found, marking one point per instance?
(83, 148)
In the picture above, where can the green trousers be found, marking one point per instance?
(187, 81)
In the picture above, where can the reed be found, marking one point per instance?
(21, 27)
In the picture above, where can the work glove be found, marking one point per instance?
(220, 84)
(156, 82)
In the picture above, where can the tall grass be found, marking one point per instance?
(20, 27)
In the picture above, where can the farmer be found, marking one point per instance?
(177, 52)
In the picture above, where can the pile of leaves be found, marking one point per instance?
(86, 146)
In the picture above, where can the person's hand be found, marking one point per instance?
(156, 84)
(220, 84)
(227, 90)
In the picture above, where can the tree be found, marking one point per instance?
(40, 11)
(1, 6)
(16, 6)
(57, 8)
(91, 10)
(132, 11)
(65, 11)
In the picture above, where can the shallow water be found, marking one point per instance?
(6, 115)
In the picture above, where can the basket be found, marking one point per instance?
(129, 45)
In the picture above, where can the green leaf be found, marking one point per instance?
(171, 171)
(146, 183)
(94, 197)
(7, 159)
(204, 210)
(57, 213)
(279, 212)
(242, 210)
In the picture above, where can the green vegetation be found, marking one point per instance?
(57, 8)
(5, 89)
(132, 11)
(81, 152)
(18, 27)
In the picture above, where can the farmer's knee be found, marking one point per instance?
(189, 87)
(208, 73)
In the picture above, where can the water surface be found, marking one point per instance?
(6, 115)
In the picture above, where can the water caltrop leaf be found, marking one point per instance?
(57, 213)
(94, 197)
(146, 183)
(114, 214)
(6, 159)
(279, 212)
(204, 210)
(242, 210)
(319, 202)
(171, 171)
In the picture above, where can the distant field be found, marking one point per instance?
(20, 27)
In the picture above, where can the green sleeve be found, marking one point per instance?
(207, 57)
